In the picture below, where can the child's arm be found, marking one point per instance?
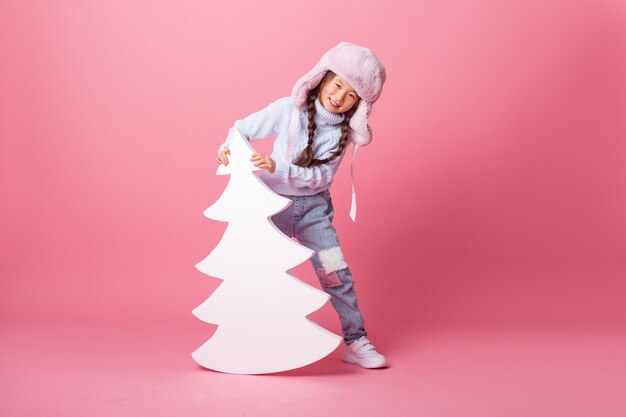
(313, 177)
(259, 125)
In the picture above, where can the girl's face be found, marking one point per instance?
(337, 96)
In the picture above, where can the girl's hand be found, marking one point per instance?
(263, 161)
(222, 158)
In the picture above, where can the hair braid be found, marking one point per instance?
(305, 158)
(345, 129)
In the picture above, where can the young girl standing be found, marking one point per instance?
(328, 108)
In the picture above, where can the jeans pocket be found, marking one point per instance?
(330, 210)
(326, 194)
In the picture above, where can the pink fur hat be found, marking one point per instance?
(361, 69)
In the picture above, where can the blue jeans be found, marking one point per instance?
(309, 219)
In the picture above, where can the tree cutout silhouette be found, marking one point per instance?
(259, 308)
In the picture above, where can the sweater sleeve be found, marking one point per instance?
(262, 124)
(319, 176)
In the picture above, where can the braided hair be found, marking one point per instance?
(306, 158)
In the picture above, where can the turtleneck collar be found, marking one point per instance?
(324, 116)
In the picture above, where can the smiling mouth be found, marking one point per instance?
(333, 103)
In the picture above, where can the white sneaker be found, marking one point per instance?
(364, 354)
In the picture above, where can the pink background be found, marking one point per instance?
(492, 198)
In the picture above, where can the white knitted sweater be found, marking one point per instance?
(274, 120)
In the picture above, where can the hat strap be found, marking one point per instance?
(353, 204)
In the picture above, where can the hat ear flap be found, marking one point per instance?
(360, 132)
(304, 85)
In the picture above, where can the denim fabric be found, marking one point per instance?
(309, 219)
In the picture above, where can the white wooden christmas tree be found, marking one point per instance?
(259, 308)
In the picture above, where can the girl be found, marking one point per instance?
(328, 108)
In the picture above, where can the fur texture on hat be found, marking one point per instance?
(361, 69)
